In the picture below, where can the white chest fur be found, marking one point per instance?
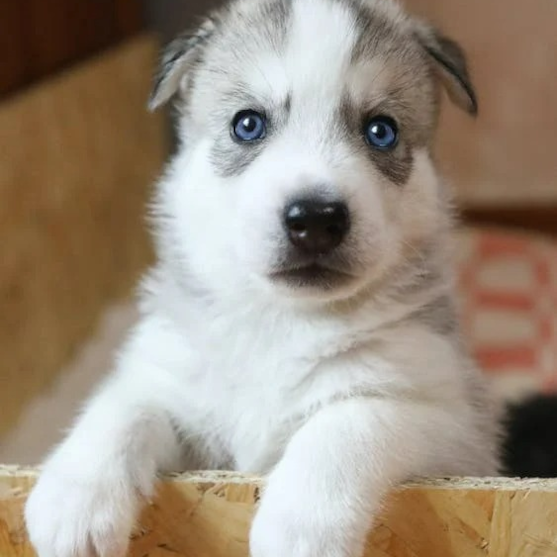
(244, 379)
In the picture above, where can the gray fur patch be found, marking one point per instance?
(418, 272)
(264, 23)
(276, 14)
(375, 32)
(439, 315)
(267, 20)
(247, 27)
(397, 164)
(231, 157)
(412, 99)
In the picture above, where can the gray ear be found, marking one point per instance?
(451, 67)
(178, 58)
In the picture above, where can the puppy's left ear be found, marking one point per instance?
(449, 63)
(178, 59)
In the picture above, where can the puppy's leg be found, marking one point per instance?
(87, 496)
(322, 496)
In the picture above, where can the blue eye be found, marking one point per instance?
(249, 125)
(382, 133)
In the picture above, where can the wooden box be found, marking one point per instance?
(208, 515)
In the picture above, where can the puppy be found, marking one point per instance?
(300, 321)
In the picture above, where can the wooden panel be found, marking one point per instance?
(208, 515)
(79, 155)
(38, 37)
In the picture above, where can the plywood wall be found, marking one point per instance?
(79, 154)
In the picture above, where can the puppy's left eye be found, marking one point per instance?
(249, 125)
(382, 133)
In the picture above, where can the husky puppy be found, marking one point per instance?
(299, 322)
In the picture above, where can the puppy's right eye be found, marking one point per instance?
(249, 125)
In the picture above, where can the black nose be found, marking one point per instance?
(316, 226)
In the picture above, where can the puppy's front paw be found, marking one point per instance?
(302, 529)
(72, 516)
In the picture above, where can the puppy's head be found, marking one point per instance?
(306, 127)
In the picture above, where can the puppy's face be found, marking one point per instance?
(306, 128)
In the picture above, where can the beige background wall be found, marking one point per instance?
(509, 154)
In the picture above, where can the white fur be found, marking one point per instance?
(336, 395)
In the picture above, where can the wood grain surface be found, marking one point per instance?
(208, 515)
(79, 156)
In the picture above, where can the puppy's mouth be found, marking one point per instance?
(314, 275)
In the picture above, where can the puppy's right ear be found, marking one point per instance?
(178, 58)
